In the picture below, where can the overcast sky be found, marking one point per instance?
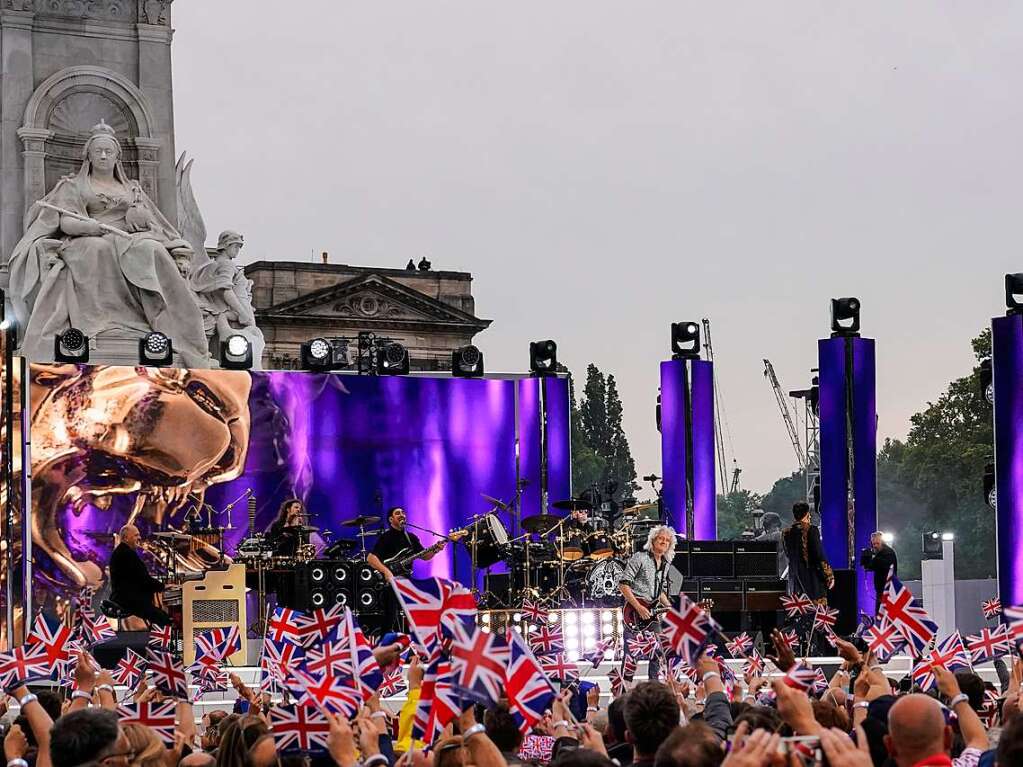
(603, 169)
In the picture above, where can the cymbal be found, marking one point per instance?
(302, 528)
(540, 523)
(639, 508)
(499, 504)
(360, 521)
(573, 504)
(172, 536)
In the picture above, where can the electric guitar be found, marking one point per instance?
(633, 622)
(401, 563)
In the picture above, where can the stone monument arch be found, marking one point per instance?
(62, 111)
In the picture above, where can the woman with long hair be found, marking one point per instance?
(147, 748)
(284, 531)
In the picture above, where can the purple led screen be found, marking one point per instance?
(673, 442)
(864, 460)
(704, 491)
(834, 465)
(156, 442)
(1007, 360)
(557, 436)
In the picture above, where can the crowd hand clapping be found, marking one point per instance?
(15, 744)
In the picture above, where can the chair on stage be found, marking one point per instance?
(115, 612)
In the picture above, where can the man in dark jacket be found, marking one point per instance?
(809, 571)
(131, 585)
(879, 559)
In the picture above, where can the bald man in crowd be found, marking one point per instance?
(918, 735)
(131, 586)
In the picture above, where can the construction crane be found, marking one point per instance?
(786, 415)
(720, 422)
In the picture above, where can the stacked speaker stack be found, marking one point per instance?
(323, 583)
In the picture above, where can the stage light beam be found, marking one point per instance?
(156, 350)
(685, 340)
(236, 353)
(845, 316)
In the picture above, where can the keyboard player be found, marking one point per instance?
(131, 585)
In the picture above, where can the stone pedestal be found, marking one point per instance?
(939, 587)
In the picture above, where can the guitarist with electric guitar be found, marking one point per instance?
(393, 555)
(645, 587)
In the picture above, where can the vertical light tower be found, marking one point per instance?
(1007, 377)
(848, 448)
(687, 435)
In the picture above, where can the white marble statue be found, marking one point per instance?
(225, 296)
(98, 255)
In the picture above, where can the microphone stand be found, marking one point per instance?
(232, 504)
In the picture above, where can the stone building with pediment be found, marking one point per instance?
(431, 313)
(67, 65)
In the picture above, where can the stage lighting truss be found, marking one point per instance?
(581, 628)
(236, 353)
(392, 360)
(467, 362)
(71, 346)
(324, 354)
(156, 350)
(845, 316)
(543, 358)
(685, 340)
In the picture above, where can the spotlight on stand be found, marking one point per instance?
(392, 360)
(987, 382)
(685, 340)
(990, 491)
(1014, 293)
(543, 358)
(71, 346)
(236, 353)
(156, 350)
(324, 354)
(467, 362)
(845, 317)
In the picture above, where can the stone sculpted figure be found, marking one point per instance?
(225, 296)
(102, 263)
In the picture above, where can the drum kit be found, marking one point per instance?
(560, 558)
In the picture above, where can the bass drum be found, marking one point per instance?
(491, 541)
(602, 581)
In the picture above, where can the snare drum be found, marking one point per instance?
(599, 546)
(491, 540)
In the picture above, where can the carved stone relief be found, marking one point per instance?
(154, 12)
(104, 10)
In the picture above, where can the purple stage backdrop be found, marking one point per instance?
(1007, 361)
(834, 504)
(687, 461)
(345, 444)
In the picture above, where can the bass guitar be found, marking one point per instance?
(401, 563)
(632, 621)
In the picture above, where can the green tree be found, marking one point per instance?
(593, 409)
(587, 467)
(621, 468)
(735, 513)
(785, 492)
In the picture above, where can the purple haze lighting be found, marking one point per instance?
(704, 491)
(1007, 362)
(673, 442)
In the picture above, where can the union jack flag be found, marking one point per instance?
(329, 693)
(797, 604)
(478, 662)
(218, 643)
(368, 675)
(950, 654)
(168, 674)
(688, 629)
(824, 617)
(530, 692)
(55, 638)
(618, 684)
(991, 712)
(988, 644)
(547, 641)
(791, 638)
(900, 607)
(332, 656)
(739, 645)
(820, 682)
(830, 635)
(393, 684)
(290, 625)
(629, 666)
(1014, 624)
(883, 639)
(801, 676)
(160, 638)
(643, 645)
(94, 628)
(439, 702)
(159, 716)
(422, 599)
(321, 624)
(558, 667)
(991, 608)
(22, 664)
(533, 612)
(299, 728)
(211, 681)
(130, 669)
(597, 654)
(459, 608)
(683, 669)
(279, 658)
(754, 665)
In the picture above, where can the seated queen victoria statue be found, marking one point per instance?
(98, 255)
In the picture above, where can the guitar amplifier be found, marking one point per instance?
(215, 601)
(691, 588)
(758, 559)
(681, 560)
(726, 593)
(712, 559)
(764, 595)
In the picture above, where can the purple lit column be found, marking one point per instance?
(673, 441)
(1007, 362)
(704, 493)
(555, 441)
